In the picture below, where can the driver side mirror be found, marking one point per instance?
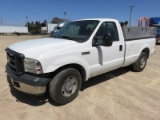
(107, 40)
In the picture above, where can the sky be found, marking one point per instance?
(14, 12)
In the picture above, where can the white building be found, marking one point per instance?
(49, 28)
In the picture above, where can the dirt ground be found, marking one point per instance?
(117, 95)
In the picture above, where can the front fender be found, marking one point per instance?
(54, 64)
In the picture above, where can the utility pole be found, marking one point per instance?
(130, 18)
(27, 21)
(65, 13)
(1, 19)
(49, 21)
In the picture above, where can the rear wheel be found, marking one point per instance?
(140, 64)
(65, 86)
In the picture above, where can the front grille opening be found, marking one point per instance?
(11, 56)
(11, 62)
(15, 61)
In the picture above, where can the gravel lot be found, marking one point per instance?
(117, 95)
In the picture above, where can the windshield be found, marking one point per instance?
(78, 31)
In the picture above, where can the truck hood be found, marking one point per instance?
(33, 48)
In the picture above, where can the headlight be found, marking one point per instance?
(32, 66)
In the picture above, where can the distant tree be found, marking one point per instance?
(45, 21)
(31, 27)
(32, 23)
(57, 20)
(44, 24)
(34, 28)
(37, 24)
(37, 27)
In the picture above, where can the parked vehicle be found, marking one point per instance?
(57, 28)
(155, 22)
(152, 22)
(80, 50)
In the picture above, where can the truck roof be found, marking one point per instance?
(100, 19)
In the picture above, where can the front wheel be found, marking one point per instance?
(65, 86)
(140, 64)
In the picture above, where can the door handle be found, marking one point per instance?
(86, 53)
(120, 48)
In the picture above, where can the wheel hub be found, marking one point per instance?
(69, 87)
(142, 62)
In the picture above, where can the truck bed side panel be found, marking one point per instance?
(132, 33)
(135, 47)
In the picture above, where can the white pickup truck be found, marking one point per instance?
(81, 49)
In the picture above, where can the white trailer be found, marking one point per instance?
(12, 29)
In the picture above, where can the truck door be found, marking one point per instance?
(107, 58)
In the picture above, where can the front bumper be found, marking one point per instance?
(27, 83)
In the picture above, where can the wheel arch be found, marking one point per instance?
(147, 51)
(78, 67)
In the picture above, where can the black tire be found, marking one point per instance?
(61, 84)
(140, 64)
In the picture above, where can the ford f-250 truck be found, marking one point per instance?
(81, 49)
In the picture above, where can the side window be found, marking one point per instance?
(107, 28)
